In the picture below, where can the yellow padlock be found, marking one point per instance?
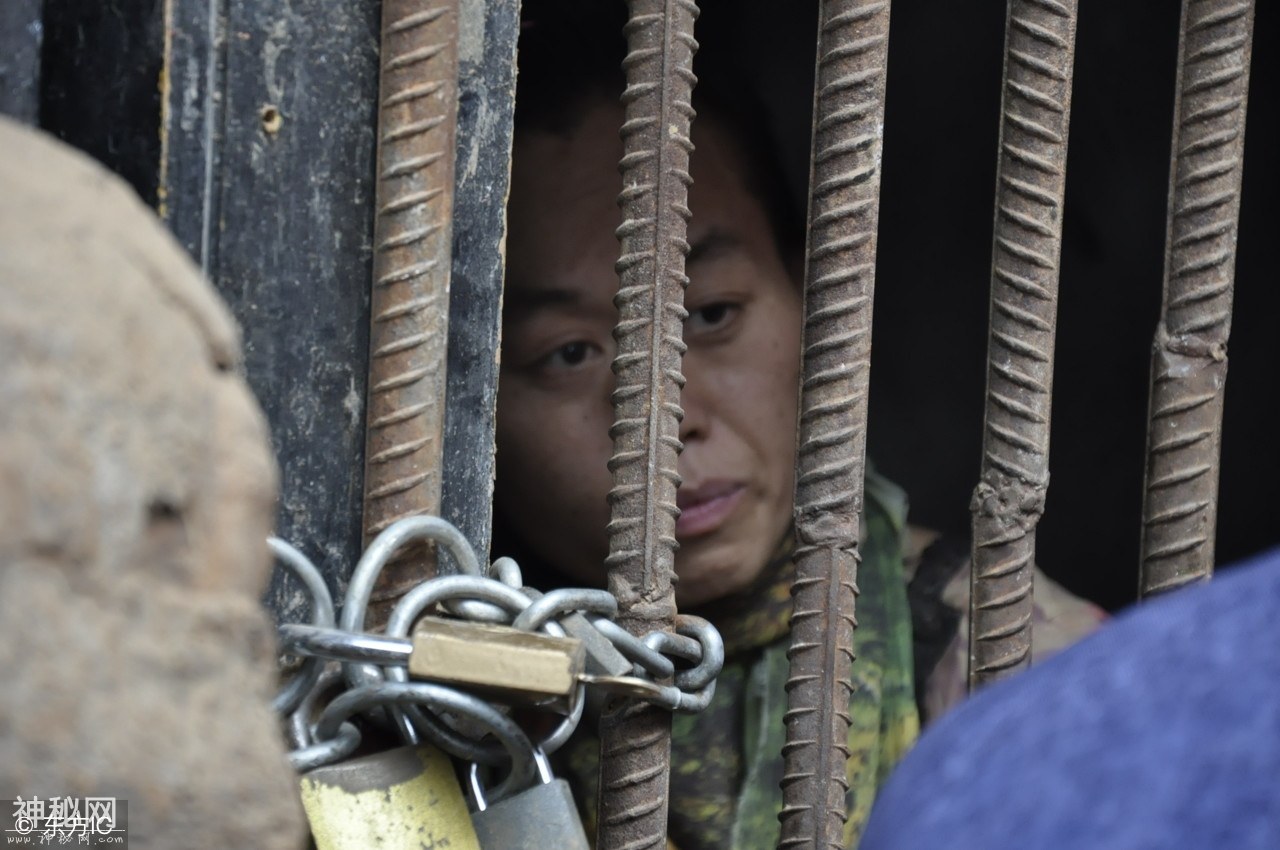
(401, 799)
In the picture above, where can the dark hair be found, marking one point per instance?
(570, 55)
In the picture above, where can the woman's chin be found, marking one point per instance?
(718, 574)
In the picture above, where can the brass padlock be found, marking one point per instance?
(401, 799)
(501, 660)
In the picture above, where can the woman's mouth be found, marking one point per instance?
(704, 508)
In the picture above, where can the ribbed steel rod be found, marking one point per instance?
(1189, 357)
(844, 200)
(417, 120)
(635, 739)
(1031, 176)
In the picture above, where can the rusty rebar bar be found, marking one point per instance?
(1189, 356)
(417, 121)
(635, 739)
(1031, 177)
(844, 199)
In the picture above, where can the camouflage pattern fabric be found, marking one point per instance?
(726, 762)
(1058, 619)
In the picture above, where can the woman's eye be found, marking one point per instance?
(712, 316)
(573, 353)
(568, 356)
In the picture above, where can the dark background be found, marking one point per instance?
(98, 90)
(936, 219)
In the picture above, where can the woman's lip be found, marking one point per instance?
(704, 509)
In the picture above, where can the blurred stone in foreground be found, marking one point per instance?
(136, 490)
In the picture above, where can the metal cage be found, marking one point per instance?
(404, 221)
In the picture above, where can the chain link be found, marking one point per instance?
(676, 671)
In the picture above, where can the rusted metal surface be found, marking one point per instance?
(409, 304)
(635, 739)
(844, 200)
(1009, 498)
(1189, 357)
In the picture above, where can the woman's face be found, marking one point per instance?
(742, 365)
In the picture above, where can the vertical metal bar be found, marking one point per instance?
(844, 200)
(635, 738)
(1189, 357)
(1031, 176)
(417, 121)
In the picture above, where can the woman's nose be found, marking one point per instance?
(694, 401)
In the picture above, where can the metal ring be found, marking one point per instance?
(692, 702)
(671, 644)
(400, 533)
(638, 688)
(298, 731)
(545, 777)
(443, 588)
(343, 743)
(565, 728)
(344, 646)
(507, 571)
(291, 695)
(299, 726)
(654, 663)
(566, 600)
(422, 719)
(416, 721)
(523, 765)
(412, 719)
(712, 645)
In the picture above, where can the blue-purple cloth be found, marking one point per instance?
(1162, 730)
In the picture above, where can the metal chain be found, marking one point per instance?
(371, 674)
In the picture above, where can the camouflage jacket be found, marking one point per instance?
(726, 763)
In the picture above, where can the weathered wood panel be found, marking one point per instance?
(21, 31)
(268, 180)
(100, 69)
(486, 102)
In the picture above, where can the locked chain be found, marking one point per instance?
(362, 672)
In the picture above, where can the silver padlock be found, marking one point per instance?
(541, 816)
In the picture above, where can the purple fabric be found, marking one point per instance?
(1161, 730)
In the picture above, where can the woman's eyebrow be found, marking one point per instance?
(710, 245)
(520, 302)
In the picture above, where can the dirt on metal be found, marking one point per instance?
(844, 203)
(417, 125)
(1189, 356)
(1031, 177)
(635, 738)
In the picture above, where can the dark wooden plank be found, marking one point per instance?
(21, 31)
(269, 150)
(99, 83)
(486, 103)
(191, 131)
(269, 179)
